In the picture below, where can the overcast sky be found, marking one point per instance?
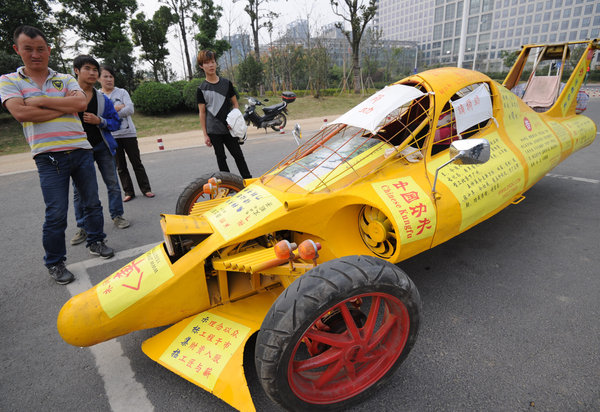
(234, 16)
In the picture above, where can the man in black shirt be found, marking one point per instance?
(98, 120)
(216, 97)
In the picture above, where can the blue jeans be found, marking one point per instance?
(106, 164)
(55, 170)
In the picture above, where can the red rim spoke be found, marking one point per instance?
(372, 318)
(329, 374)
(383, 332)
(350, 323)
(359, 346)
(319, 361)
(327, 338)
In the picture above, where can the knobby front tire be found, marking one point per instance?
(337, 334)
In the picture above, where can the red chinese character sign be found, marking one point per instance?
(204, 347)
(134, 281)
(411, 208)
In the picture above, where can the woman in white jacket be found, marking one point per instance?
(126, 136)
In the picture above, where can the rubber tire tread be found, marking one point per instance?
(282, 125)
(307, 298)
(186, 198)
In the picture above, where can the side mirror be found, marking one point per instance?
(297, 133)
(466, 152)
(470, 151)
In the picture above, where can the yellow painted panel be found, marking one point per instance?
(481, 189)
(563, 136)
(182, 224)
(536, 142)
(583, 130)
(133, 281)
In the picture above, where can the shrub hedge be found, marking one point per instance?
(156, 98)
(189, 94)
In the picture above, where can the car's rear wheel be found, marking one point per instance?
(337, 334)
(194, 192)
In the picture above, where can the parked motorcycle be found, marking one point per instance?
(273, 116)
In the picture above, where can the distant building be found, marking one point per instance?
(492, 26)
(297, 29)
(240, 47)
(337, 45)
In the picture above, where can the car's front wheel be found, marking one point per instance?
(337, 334)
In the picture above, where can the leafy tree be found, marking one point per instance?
(14, 13)
(37, 13)
(250, 74)
(184, 9)
(9, 62)
(319, 67)
(257, 16)
(372, 45)
(102, 23)
(151, 35)
(208, 25)
(509, 58)
(291, 66)
(358, 15)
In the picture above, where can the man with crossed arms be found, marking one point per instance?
(46, 104)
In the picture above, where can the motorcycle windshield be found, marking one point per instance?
(342, 153)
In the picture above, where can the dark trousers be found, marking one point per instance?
(219, 142)
(130, 146)
(55, 170)
(106, 164)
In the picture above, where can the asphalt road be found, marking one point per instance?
(510, 322)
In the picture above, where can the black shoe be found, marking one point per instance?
(100, 249)
(61, 274)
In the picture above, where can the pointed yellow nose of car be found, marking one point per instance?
(147, 292)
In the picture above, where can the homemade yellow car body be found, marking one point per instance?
(383, 189)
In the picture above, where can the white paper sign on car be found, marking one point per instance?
(472, 109)
(370, 113)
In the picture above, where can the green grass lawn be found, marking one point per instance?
(12, 140)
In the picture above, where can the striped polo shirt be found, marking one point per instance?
(64, 132)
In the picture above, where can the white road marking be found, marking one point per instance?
(124, 392)
(579, 179)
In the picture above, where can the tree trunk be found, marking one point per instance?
(356, 71)
(185, 47)
(256, 47)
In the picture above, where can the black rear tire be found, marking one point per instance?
(194, 192)
(337, 334)
(283, 122)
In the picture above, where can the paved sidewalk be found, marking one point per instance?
(23, 162)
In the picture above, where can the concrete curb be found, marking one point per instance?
(23, 162)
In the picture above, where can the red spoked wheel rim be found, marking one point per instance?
(328, 367)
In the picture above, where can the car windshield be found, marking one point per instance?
(341, 153)
(315, 170)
